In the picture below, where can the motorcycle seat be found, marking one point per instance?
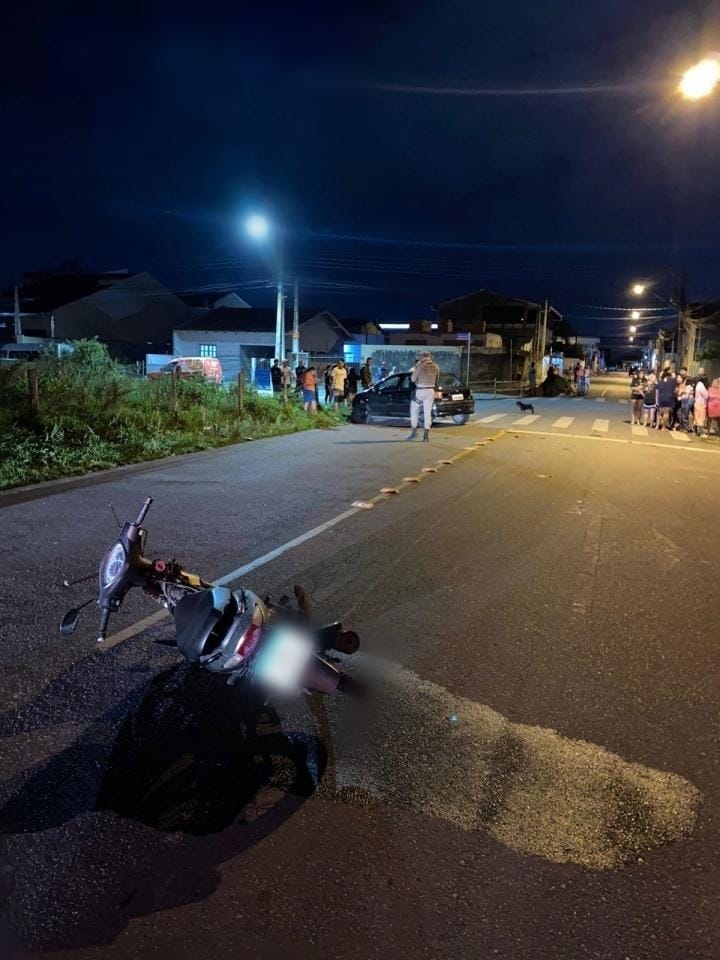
(202, 620)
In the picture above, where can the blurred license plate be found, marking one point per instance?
(281, 663)
(457, 396)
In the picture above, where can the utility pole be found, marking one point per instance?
(279, 323)
(544, 333)
(280, 303)
(18, 321)
(683, 334)
(296, 328)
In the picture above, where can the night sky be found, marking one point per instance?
(562, 165)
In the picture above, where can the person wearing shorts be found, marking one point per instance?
(649, 401)
(636, 396)
(309, 388)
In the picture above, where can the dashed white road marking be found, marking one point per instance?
(522, 421)
(602, 426)
(492, 418)
(638, 431)
(564, 422)
(623, 401)
(681, 437)
(599, 399)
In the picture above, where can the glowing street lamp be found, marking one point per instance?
(639, 289)
(257, 227)
(701, 80)
(633, 329)
(635, 315)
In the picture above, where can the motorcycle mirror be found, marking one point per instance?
(69, 622)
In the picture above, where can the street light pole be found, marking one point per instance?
(279, 322)
(296, 328)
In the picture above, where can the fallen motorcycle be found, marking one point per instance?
(233, 633)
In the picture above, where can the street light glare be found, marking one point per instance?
(257, 227)
(633, 329)
(635, 315)
(639, 289)
(700, 81)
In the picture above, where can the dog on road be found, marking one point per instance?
(526, 406)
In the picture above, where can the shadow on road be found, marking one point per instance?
(194, 776)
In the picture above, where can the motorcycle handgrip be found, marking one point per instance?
(143, 511)
(104, 620)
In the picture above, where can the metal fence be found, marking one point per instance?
(504, 388)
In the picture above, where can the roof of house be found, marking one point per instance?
(359, 325)
(252, 319)
(44, 291)
(497, 299)
(213, 299)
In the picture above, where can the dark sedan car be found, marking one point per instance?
(391, 398)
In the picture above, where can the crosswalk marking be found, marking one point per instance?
(563, 422)
(599, 399)
(602, 426)
(522, 421)
(681, 436)
(492, 418)
(623, 401)
(638, 431)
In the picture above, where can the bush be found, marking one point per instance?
(711, 351)
(94, 414)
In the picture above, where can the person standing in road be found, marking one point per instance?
(425, 378)
(665, 398)
(701, 402)
(686, 395)
(636, 396)
(310, 390)
(339, 379)
(649, 401)
(713, 406)
(366, 377)
(352, 384)
(532, 377)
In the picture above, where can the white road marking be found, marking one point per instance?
(564, 422)
(624, 401)
(695, 448)
(492, 418)
(522, 421)
(602, 426)
(599, 399)
(638, 431)
(154, 618)
(681, 437)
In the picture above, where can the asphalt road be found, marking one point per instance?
(536, 774)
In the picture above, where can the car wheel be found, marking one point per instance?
(461, 418)
(361, 414)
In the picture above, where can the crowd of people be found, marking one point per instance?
(675, 401)
(340, 381)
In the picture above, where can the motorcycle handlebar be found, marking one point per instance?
(104, 620)
(143, 511)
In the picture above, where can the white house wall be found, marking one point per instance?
(234, 348)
